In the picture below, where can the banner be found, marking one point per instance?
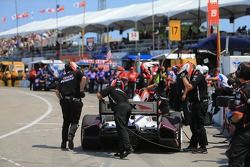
(213, 14)
(59, 8)
(4, 19)
(79, 4)
(50, 10)
(42, 11)
(20, 16)
(134, 36)
(90, 43)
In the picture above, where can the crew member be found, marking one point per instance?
(157, 89)
(222, 88)
(239, 149)
(158, 82)
(144, 78)
(197, 91)
(123, 76)
(70, 91)
(132, 77)
(100, 78)
(122, 109)
(178, 104)
(171, 84)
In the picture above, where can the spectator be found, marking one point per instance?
(32, 77)
(132, 77)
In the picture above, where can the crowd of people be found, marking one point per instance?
(187, 87)
(31, 42)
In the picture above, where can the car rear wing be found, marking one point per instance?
(138, 108)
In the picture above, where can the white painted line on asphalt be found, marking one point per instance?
(35, 121)
(44, 123)
(90, 106)
(106, 164)
(39, 131)
(10, 161)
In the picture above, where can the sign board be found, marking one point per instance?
(90, 43)
(174, 32)
(134, 36)
(231, 63)
(213, 14)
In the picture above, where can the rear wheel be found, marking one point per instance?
(90, 142)
(178, 125)
(177, 122)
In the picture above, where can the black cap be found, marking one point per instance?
(243, 71)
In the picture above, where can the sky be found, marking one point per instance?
(7, 9)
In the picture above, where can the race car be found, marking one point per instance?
(146, 123)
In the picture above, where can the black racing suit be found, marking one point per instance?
(197, 96)
(122, 109)
(71, 103)
(239, 149)
(178, 104)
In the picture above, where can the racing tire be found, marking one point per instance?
(89, 143)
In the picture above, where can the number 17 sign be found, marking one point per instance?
(174, 32)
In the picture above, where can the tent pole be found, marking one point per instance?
(79, 46)
(56, 18)
(57, 41)
(153, 25)
(136, 44)
(16, 10)
(83, 29)
(16, 18)
(234, 26)
(41, 47)
(199, 16)
(108, 42)
(218, 53)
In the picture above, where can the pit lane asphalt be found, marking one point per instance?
(30, 136)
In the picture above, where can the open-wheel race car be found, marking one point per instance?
(146, 122)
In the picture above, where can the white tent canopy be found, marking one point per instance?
(174, 56)
(125, 17)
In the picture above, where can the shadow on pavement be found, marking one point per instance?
(46, 146)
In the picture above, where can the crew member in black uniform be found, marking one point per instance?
(239, 149)
(70, 91)
(179, 104)
(122, 109)
(197, 91)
